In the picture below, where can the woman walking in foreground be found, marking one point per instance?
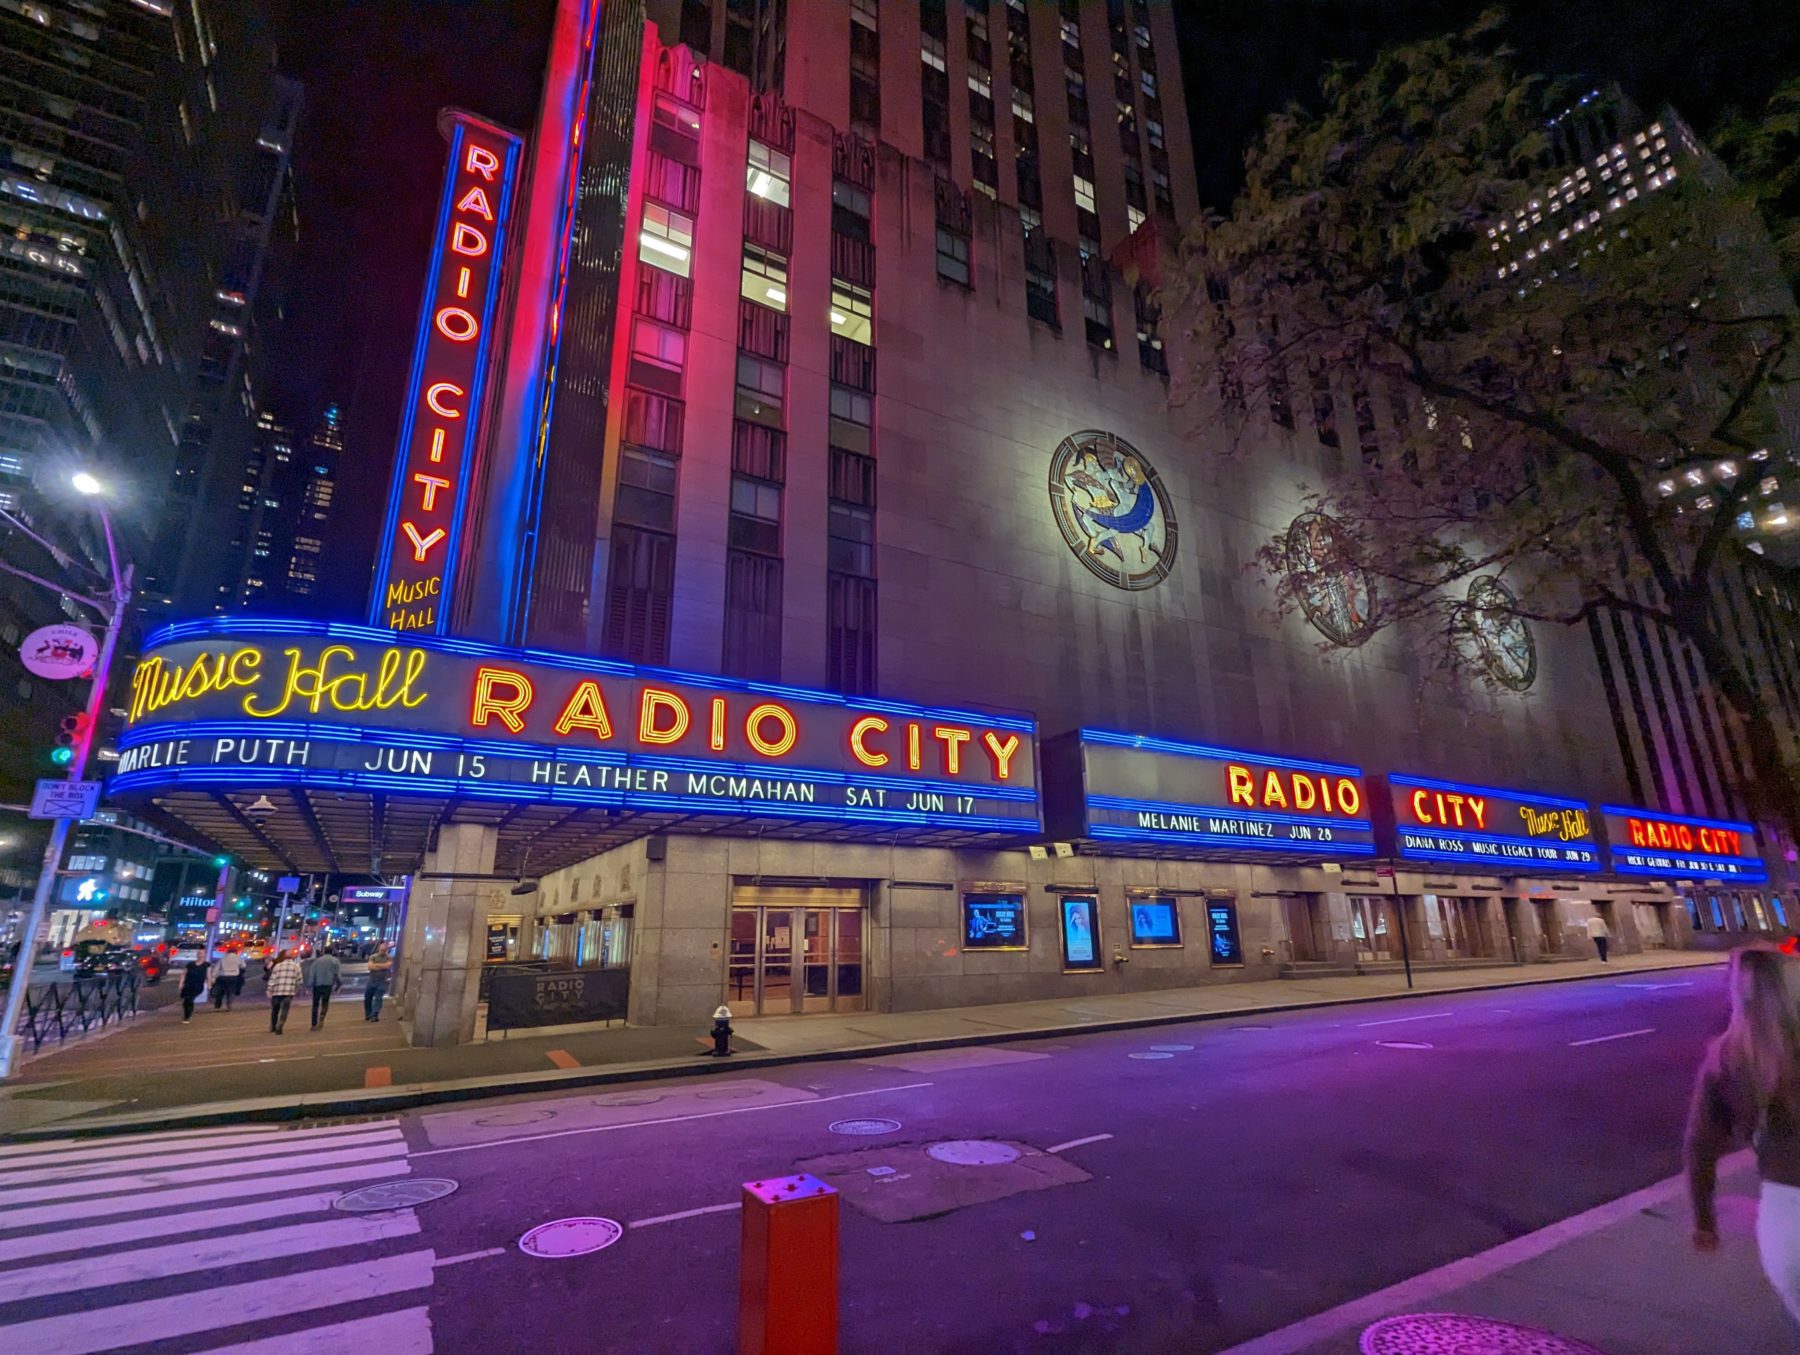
(1749, 1086)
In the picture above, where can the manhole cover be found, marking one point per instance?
(1173, 1048)
(506, 1119)
(864, 1126)
(629, 1099)
(1460, 1334)
(1152, 1054)
(570, 1237)
(974, 1153)
(394, 1194)
(1403, 1044)
(729, 1093)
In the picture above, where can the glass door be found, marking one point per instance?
(776, 973)
(847, 990)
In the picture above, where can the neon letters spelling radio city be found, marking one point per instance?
(432, 472)
(1684, 837)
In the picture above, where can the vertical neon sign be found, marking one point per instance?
(432, 467)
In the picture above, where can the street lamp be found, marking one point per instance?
(112, 605)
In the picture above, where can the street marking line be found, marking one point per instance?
(179, 1315)
(64, 1211)
(184, 1258)
(1655, 987)
(1079, 1143)
(378, 1077)
(405, 1331)
(471, 1256)
(1603, 1039)
(1434, 1284)
(1399, 1020)
(180, 1176)
(71, 1152)
(688, 1214)
(562, 1058)
(169, 1225)
(666, 1119)
(255, 1149)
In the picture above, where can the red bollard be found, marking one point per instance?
(788, 1272)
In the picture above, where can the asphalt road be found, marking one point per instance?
(1261, 1171)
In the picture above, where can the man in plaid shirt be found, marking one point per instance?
(284, 982)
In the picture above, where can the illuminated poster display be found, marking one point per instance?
(1222, 930)
(432, 467)
(1080, 932)
(1493, 829)
(236, 703)
(1154, 921)
(1647, 842)
(994, 922)
(1147, 790)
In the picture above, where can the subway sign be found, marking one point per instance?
(1493, 829)
(239, 704)
(1647, 842)
(1157, 791)
(434, 464)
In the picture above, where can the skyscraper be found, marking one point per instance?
(282, 515)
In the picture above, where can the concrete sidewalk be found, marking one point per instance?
(1622, 1279)
(158, 1073)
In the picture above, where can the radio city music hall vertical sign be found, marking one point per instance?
(433, 465)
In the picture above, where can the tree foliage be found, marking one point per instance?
(1563, 383)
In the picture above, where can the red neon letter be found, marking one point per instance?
(433, 484)
(1239, 788)
(655, 699)
(422, 544)
(1306, 794)
(438, 388)
(1479, 808)
(1273, 795)
(586, 710)
(912, 747)
(1001, 753)
(950, 737)
(753, 723)
(1418, 807)
(502, 692)
(476, 201)
(481, 161)
(861, 729)
(456, 324)
(1349, 797)
(717, 741)
(465, 239)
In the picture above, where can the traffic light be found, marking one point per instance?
(221, 861)
(73, 730)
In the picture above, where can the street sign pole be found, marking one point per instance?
(281, 921)
(12, 1045)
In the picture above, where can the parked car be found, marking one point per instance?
(97, 961)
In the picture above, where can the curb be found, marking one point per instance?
(357, 1102)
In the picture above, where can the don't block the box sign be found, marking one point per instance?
(1648, 842)
(238, 704)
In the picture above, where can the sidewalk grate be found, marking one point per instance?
(1460, 1334)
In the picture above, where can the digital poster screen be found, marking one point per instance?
(1154, 922)
(994, 922)
(1492, 829)
(1080, 915)
(1227, 948)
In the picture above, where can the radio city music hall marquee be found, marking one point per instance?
(317, 704)
(1474, 825)
(1645, 842)
(434, 466)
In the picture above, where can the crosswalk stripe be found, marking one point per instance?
(54, 1148)
(177, 1155)
(78, 1151)
(184, 1258)
(68, 1211)
(405, 1331)
(179, 1315)
(117, 1185)
(168, 1225)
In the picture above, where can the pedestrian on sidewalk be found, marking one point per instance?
(381, 968)
(1599, 933)
(193, 983)
(227, 978)
(284, 982)
(327, 976)
(1748, 1087)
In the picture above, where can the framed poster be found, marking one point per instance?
(1222, 930)
(994, 922)
(1154, 922)
(1080, 918)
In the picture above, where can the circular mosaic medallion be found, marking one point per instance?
(1502, 637)
(1336, 594)
(974, 1153)
(1112, 509)
(394, 1194)
(570, 1237)
(864, 1126)
(1461, 1334)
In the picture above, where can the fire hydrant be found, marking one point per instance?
(721, 1032)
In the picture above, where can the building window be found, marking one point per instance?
(666, 239)
(1324, 407)
(755, 515)
(1040, 279)
(865, 101)
(652, 421)
(852, 312)
(761, 387)
(852, 479)
(752, 616)
(658, 345)
(850, 546)
(765, 278)
(646, 496)
(768, 174)
(953, 257)
(1084, 194)
(640, 584)
(852, 419)
(850, 634)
